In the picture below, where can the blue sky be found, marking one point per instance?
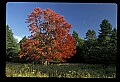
(82, 16)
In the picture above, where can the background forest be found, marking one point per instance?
(92, 49)
(95, 57)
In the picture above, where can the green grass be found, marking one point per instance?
(60, 70)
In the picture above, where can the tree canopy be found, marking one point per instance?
(12, 47)
(50, 39)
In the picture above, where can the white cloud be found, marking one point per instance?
(18, 37)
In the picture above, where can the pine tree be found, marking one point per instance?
(104, 42)
(23, 40)
(89, 46)
(78, 57)
(105, 32)
(113, 45)
(90, 35)
(114, 37)
(12, 47)
(79, 41)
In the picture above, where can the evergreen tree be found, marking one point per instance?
(90, 35)
(23, 59)
(114, 37)
(113, 45)
(89, 46)
(11, 45)
(79, 41)
(78, 57)
(105, 41)
(105, 32)
(23, 40)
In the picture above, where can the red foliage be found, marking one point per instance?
(50, 37)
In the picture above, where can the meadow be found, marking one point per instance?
(60, 70)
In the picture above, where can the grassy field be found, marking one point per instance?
(60, 70)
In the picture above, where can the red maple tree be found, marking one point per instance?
(50, 39)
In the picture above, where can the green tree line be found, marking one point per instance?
(12, 47)
(91, 49)
(96, 49)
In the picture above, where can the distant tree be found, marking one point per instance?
(90, 41)
(11, 45)
(89, 46)
(75, 35)
(114, 38)
(50, 39)
(90, 35)
(17, 44)
(23, 40)
(105, 31)
(113, 45)
(79, 41)
(104, 43)
(78, 57)
(85, 48)
(97, 50)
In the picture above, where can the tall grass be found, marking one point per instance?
(60, 70)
